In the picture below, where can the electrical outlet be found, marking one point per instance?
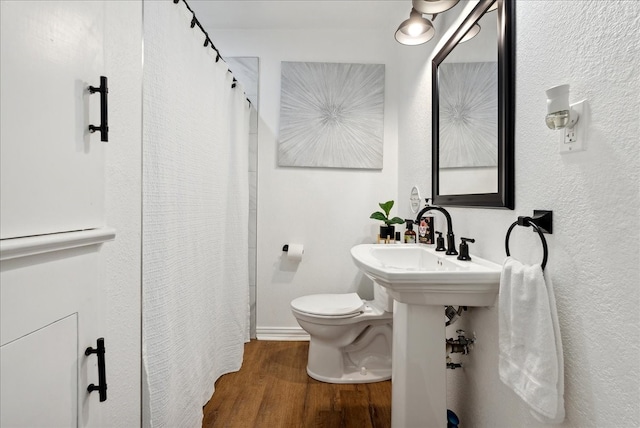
(570, 136)
(573, 139)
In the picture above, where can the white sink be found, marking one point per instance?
(417, 274)
(423, 281)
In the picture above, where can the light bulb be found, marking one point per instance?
(415, 29)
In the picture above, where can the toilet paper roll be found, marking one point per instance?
(295, 251)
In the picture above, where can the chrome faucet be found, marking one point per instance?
(451, 240)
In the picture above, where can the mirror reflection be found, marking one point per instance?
(473, 110)
(468, 116)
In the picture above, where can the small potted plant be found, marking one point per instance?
(388, 229)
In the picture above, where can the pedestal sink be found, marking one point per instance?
(423, 281)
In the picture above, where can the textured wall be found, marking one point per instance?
(594, 251)
(123, 64)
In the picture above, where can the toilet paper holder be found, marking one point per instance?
(293, 251)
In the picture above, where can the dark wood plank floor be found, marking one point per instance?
(272, 389)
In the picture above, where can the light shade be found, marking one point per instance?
(433, 6)
(473, 31)
(415, 30)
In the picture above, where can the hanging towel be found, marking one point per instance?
(530, 357)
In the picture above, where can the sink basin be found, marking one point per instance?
(417, 274)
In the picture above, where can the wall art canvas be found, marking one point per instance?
(331, 115)
(468, 102)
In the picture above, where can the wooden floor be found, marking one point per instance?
(272, 389)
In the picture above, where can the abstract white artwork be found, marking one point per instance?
(468, 119)
(331, 115)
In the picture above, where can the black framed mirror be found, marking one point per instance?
(473, 111)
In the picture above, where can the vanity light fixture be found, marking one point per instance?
(433, 6)
(415, 30)
(473, 31)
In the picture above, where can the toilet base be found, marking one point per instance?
(366, 360)
(366, 376)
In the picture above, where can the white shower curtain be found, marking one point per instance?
(195, 219)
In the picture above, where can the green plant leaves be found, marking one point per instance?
(395, 220)
(379, 216)
(386, 207)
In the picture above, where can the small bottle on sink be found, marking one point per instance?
(409, 234)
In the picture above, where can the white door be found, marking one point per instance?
(51, 212)
(51, 166)
(50, 307)
(53, 345)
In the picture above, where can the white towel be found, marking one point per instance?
(530, 358)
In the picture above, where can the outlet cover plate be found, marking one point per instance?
(574, 139)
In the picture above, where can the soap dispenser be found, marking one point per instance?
(464, 249)
(440, 242)
(409, 234)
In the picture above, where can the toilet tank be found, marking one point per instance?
(381, 298)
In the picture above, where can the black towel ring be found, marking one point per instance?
(526, 222)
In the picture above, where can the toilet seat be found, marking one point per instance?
(329, 305)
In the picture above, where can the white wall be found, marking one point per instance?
(325, 209)
(123, 67)
(594, 252)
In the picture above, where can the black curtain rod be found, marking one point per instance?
(207, 40)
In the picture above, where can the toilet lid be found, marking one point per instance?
(329, 304)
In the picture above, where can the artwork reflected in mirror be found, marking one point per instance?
(468, 127)
(473, 111)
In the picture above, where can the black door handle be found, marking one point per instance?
(104, 125)
(102, 374)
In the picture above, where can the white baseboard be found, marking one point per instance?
(282, 333)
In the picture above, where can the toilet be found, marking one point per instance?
(350, 338)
